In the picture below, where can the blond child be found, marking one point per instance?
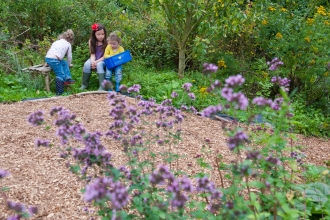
(114, 48)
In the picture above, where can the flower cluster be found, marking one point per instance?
(228, 92)
(98, 189)
(187, 86)
(261, 101)
(36, 118)
(21, 210)
(216, 84)
(274, 64)
(44, 143)
(211, 110)
(283, 82)
(95, 27)
(107, 85)
(237, 140)
(209, 68)
(135, 88)
(180, 186)
(298, 157)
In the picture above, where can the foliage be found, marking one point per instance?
(262, 179)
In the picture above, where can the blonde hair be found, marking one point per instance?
(114, 37)
(67, 35)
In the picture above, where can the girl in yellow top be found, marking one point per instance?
(114, 48)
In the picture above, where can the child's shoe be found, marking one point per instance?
(69, 81)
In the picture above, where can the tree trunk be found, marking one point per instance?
(182, 62)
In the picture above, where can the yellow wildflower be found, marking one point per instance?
(321, 10)
(278, 35)
(221, 63)
(284, 9)
(326, 74)
(326, 22)
(312, 62)
(264, 22)
(307, 39)
(203, 90)
(310, 21)
(271, 9)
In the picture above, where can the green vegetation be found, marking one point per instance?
(237, 36)
(172, 47)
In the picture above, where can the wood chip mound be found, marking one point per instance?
(40, 178)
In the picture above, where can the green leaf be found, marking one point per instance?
(162, 215)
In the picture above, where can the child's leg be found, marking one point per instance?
(56, 66)
(66, 70)
(108, 74)
(118, 76)
(67, 73)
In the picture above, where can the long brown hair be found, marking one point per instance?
(93, 40)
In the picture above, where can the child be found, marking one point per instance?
(114, 48)
(54, 59)
(97, 44)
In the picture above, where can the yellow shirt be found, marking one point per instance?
(109, 51)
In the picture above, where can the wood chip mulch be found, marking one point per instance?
(39, 177)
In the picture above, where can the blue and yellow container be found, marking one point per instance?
(118, 59)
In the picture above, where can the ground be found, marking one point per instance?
(40, 178)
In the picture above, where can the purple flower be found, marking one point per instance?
(33, 210)
(211, 110)
(210, 68)
(283, 82)
(215, 201)
(159, 177)
(3, 173)
(216, 84)
(237, 140)
(174, 95)
(36, 118)
(274, 64)
(44, 143)
(107, 85)
(119, 196)
(185, 184)
(273, 160)
(239, 98)
(56, 109)
(17, 207)
(179, 199)
(233, 81)
(204, 185)
(191, 96)
(135, 88)
(98, 189)
(123, 88)
(253, 155)
(187, 86)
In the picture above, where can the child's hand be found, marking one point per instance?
(94, 64)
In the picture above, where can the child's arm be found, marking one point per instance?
(69, 55)
(92, 56)
(107, 52)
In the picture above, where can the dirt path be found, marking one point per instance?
(39, 177)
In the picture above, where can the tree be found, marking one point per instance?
(183, 18)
